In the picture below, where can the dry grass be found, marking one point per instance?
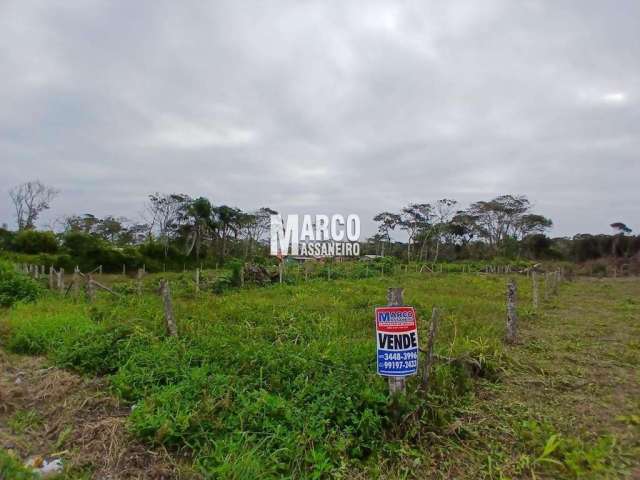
(48, 412)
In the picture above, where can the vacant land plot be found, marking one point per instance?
(280, 381)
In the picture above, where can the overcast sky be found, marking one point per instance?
(324, 107)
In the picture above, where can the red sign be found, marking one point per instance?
(395, 319)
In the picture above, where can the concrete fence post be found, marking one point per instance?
(512, 318)
(139, 281)
(60, 279)
(90, 289)
(170, 321)
(75, 282)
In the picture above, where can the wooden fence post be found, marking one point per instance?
(197, 280)
(428, 358)
(281, 270)
(169, 319)
(124, 270)
(535, 295)
(512, 318)
(90, 289)
(395, 298)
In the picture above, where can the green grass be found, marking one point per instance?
(24, 420)
(566, 402)
(271, 381)
(12, 469)
(280, 381)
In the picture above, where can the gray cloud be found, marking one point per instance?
(324, 106)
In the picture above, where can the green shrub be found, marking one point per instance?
(32, 241)
(16, 287)
(6, 239)
(99, 350)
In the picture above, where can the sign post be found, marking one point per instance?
(397, 341)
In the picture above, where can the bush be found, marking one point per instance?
(6, 239)
(31, 241)
(16, 287)
(96, 351)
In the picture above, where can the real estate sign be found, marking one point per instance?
(397, 340)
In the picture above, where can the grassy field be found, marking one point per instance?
(280, 381)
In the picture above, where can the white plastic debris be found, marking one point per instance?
(49, 469)
(45, 468)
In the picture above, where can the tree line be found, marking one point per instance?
(438, 229)
(180, 230)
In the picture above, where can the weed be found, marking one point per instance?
(24, 420)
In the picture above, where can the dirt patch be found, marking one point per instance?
(52, 413)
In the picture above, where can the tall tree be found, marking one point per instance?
(463, 227)
(499, 218)
(198, 223)
(621, 228)
(226, 221)
(86, 223)
(165, 211)
(30, 199)
(254, 226)
(415, 217)
(111, 228)
(443, 213)
(388, 222)
(531, 223)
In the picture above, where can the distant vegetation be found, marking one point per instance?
(180, 231)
